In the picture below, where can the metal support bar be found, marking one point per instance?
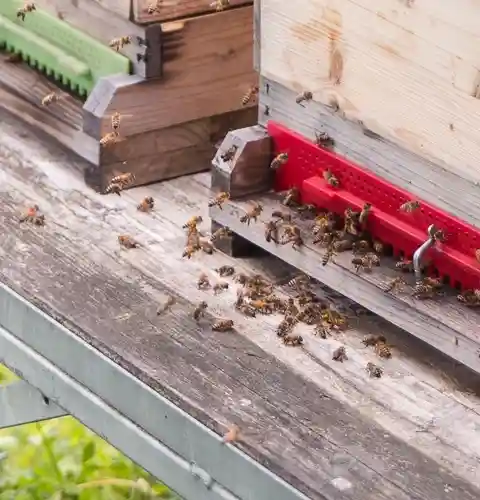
(151, 430)
(20, 403)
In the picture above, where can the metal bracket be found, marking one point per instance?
(20, 403)
(420, 252)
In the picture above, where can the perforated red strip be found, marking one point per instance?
(455, 258)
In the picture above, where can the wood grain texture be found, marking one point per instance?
(176, 9)
(393, 65)
(209, 68)
(444, 324)
(257, 35)
(323, 426)
(431, 182)
(104, 20)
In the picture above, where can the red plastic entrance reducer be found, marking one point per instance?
(454, 259)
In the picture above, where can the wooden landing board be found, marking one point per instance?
(323, 426)
(455, 193)
(407, 69)
(444, 323)
(208, 69)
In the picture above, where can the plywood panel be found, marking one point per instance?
(409, 70)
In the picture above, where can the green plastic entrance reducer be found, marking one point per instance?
(52, 46)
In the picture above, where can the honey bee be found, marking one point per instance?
(116, 120)
(330, 179)
(109, 139)
(30, 214)
(241, 278)
(323, 223)
(410, 206)
(229, 154)
(366, 262)
(291, 309)
(435, 283)
(373, 370)
(364, 214)
(322, 329)
(378, 247)
(292, 197)
(304, 97)
(223, 325)
(471, 298)
(232, 435)
(286, 326)
(279, 160)
(262, 306)
(220, 287)
(225, 271)
(342, 245)
(336, 320)
(219, 200)
(395, 284)
(292, 339)
(220, 5)
(383, 350)
(51, 98)
(28, 7)
(373, 340)
(292, 235)
(206, 246)
(127, 241)
(154, 7)
(477, 254)
(328, 255)
(246, 309)
(404, 265)
(166, 306)
(249, 95)
(283, 216)
(119, 183)
(190, 250)
(323, 140)
(119, 43)
(146, 204)
(351, 221)
(299, 282)
(223, 232)
(199, 311)
(203, 283)
(340, 354)
(423, 291)
(193, 222)
(252, 214)
(361, 247)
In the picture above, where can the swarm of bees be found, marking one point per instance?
(23, 11)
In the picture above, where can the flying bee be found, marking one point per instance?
(404, 265)
(304, 97)
(383, 350)
(323, 140)
(364, 214)
(223, 232)
(220, 5)
(127, 241)
(283, 216)
(249, 95)
(119, 43)
(229, 154)
(225, 271)
(109, 139)
(410, 206)
(119, 183)
(373, 340)
(361, 247)
(190, 250)
(378, 247)
(51, 98)
(146, 204)
(395, 284)
(193, 222)
(166, 306)
(203, 283)
(373, 370)
(471, 298)
(271, 231)
(278, 161)
(292, 235)
(340, 354)
(219, 200)
(199, 311)
(28, 7)
(220, 287)
(292, 197)
(252, 214)
(292, 339)
(223, 325)
(330, 179)
(286, 326)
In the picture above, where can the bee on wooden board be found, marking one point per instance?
(120, 42)
(340, 354)
(110, 138)
(424, 290)
(330, 179)
(127, 241)
(378, 247)
(193, 222)
(252, 214)
(116, 120)
(23, 11)
(292, 235)
(342, 245)
(323, 140)
(286, 326)
(291, 309)
(300, 282)
(163, 308)
(220, 287)
(30, 214)
(199, 311)
(271, 231)
(51, 98)
(262, 306)
(206, 246)
(220, 5)
(229, 154)
(292, 197)
(373, 340)
(373, 370)
(305, 96)
(190, 250)
(219, 200)
(292, 339)
(278, 161)
(222, 232)
(470, 298)
(241, 278)
(395, 284)
(364, 214)
(404, 265)
(203, 283)
(225, 271)
(383, 350)
(146, 204)
(328, 255)
(409, 206)
(282, 216)
(361, 247)
(154, 7)
(322, 329)
(366, 262)
(249, 95)
(223, 325)
(232, 435)
(119, 182)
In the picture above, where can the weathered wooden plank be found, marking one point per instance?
(393, 65)
(210, 69)
(109, 297)
(429, 181)
(176, 9)
(257, 34)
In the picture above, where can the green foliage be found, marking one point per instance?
(60, 459)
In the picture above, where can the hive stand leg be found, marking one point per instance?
(247, 173)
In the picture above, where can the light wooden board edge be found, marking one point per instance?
(431, 182)
(427, 328)
(257, 34)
